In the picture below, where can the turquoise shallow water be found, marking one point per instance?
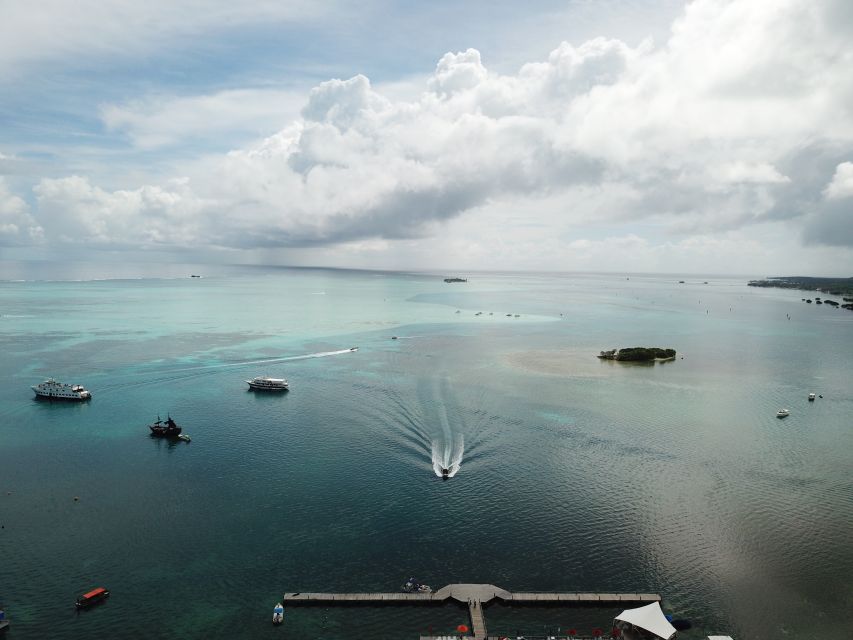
(574, 474)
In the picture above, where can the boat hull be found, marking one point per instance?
(261, 387)
(40, 395)
(84, 602)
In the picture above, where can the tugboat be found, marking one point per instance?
(167, 429)
(278, 614)
(92, 597)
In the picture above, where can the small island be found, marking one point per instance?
(638, 354)
(456, 280)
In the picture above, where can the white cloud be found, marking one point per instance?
(17, 226)
(37, 32)
(696, 137)
(158, 121)
(73, 211)
(841, 185)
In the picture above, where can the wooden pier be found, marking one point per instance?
(472, 595)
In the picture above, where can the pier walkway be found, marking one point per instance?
(472, 595)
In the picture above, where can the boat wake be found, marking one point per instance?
(185, 373)
(448, 444)
(448, 455)
(246, 363)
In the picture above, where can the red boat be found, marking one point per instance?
(93, 597)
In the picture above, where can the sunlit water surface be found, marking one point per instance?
(568, 473)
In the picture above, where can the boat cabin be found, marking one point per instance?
(92, 597)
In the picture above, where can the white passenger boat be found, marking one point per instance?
(264, 383)
(54, 390)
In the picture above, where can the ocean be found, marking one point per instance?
(569, 473)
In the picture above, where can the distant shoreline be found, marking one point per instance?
(832, 286)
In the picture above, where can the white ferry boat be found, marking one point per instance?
(264, 383)
(54, 390)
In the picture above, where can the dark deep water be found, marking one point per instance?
(574, 474)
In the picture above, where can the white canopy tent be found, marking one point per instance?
(649, 618)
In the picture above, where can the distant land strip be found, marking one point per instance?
(834, 286)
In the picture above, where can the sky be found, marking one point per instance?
(711, 136)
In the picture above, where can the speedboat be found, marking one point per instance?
(264, 383)
(184, 437)
(92, 597)
(353, 348)
(278, 614)
(811, 397)
(783, 413)
(445, 473)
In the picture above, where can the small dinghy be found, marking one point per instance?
(278, 614)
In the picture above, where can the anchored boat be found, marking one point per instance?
(167, 429)
(92, 597)
(278, 614)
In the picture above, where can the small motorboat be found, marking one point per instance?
(278, 614)
(353, 348)
(783, 413)
(91, 598)
(184, 437)
(445, 473)
(393, 337)
(811, 397)
(413, 586)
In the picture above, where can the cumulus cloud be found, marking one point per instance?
(700, 136)
(831, 222)
(17, 226)
(841, 185)
(74, 211)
